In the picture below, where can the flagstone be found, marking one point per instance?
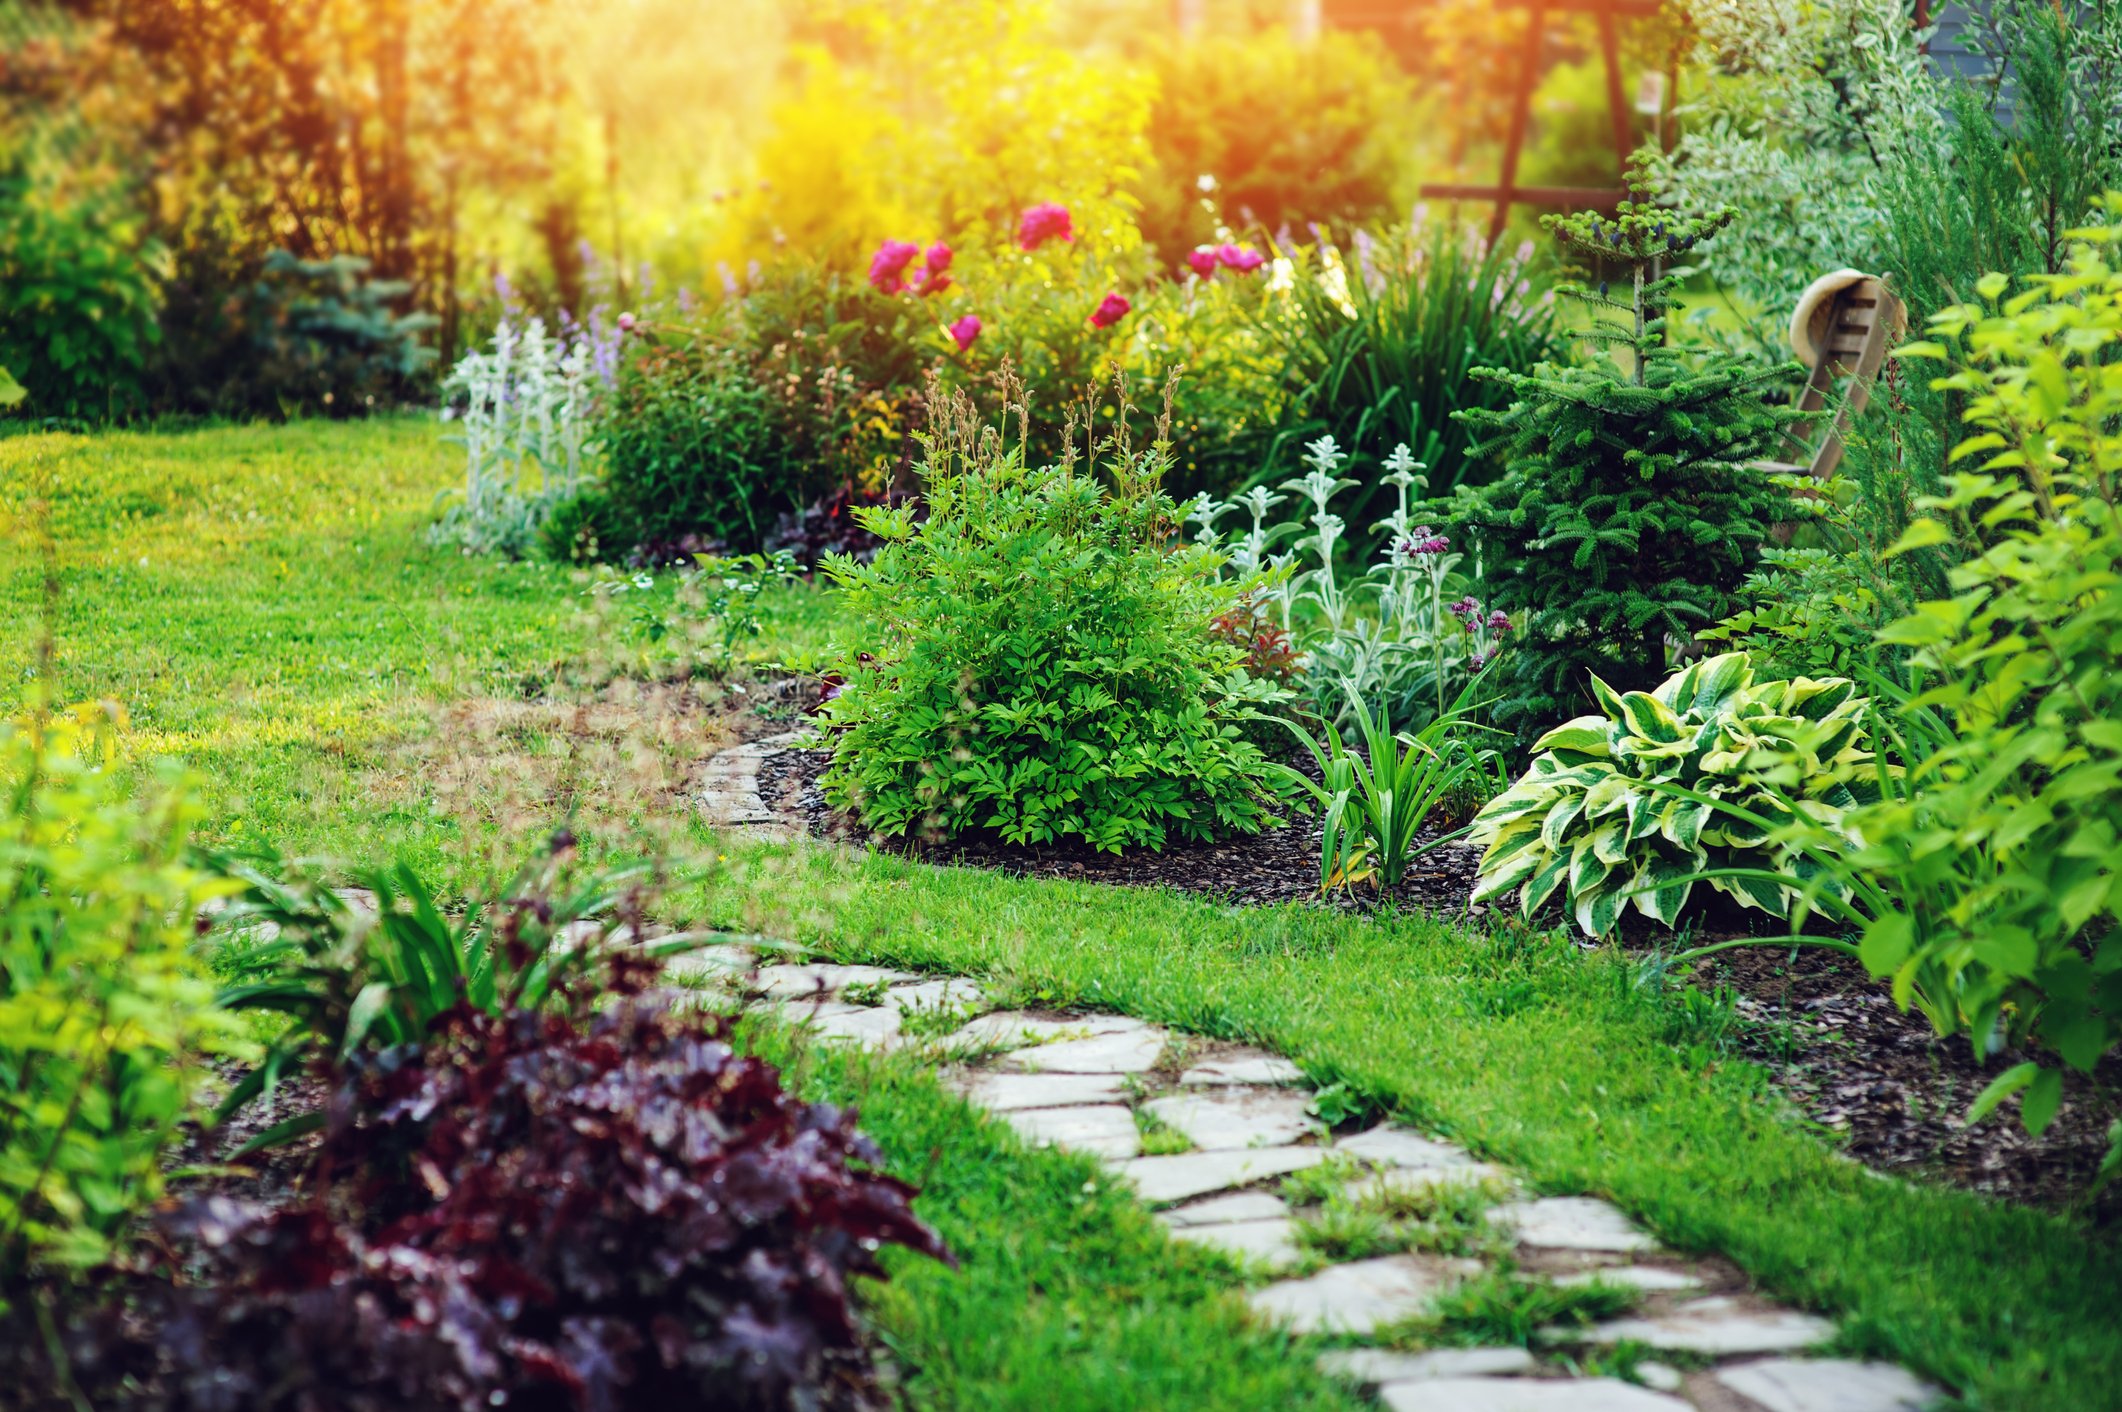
(1238, 1206)
(1572, 1223)
(1163, 1180)
(1119, 1052)
(804, 982)
(1005, 1092)
(1272, 1242)
(1718, 1327)
(1103, 1130)
(1236, 1117)
(1648, 1278)
(1525, 1395)
(1253, 1067)
(1829, 1385)
(1371, 1367)
(1360, 1296)
(1394, 1146)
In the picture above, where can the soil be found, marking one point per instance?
(1880, 1085)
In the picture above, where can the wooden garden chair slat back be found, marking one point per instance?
(1846, 332)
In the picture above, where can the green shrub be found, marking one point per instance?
(689, 447)
(1630, 512)
(1998, 896)
(1044, 663)
(1284, 134)
(1598, 820)
(1813, 613)
(77, 302)
(1380, 343)
(104, 1018)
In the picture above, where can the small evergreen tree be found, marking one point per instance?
(1629, 509)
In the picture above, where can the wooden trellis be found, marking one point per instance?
(1506, 192)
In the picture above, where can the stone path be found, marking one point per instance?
(1350, 1238)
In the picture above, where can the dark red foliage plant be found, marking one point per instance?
(532, 1211)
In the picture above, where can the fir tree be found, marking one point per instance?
(1629, 510)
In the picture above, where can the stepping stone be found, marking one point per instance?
(1572, 1223)
(872, 1027)
(1006, 1092)
(1660, 1377)
(804, 982)
(1361, 1296)
(1239, 1118)
(1104, 1130)
(1121, 1052)
(708, 962)
(1391, 1146)
(1525, 1395)
(1417, 1181)
(1371, 1367)
(1164, 1180)
(1829, 1385)
(1717, 1327)
(953, 993)
(1251, 1068)
(1014, 1029)
(1271, 1242)
(1648, 1278)
(1217, 1210)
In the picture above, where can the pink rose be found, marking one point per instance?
(1202, 260)
(1049, 220)
(1239, 258)
(1111, 309)
(888, 266)
(965, 331)
(937, 258)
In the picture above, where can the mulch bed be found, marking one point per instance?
(1888, 1091)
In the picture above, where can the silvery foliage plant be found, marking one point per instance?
(1386, 633)
(526, 423)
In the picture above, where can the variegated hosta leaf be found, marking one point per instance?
(1595, 813)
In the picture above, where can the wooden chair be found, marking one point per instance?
(1842, 328)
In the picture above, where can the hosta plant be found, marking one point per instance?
(1617, 807)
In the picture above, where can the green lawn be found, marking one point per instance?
(262, 602)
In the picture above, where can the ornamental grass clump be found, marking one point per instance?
(1698, 780)
(1038, 656)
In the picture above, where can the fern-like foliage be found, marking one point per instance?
(1630, 509)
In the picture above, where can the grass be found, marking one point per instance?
(1069, 1296)
(262, 601)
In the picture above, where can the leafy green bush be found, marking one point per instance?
(1283, 134)
(104, 1018)
(1998, 893)
(1599, 817)
(1044, 663)
(1813, 613)
(1380, 343)
(77, 303)
(1630, 512)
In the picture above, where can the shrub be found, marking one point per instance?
(1630, 512)
(1813, 613)
(1280, 134)
(77, 302)
(538, 1209)
(104, 1018)
(1996, 900)
(1048, 666)
(1379, 348)
(328, 338)
(1600, 818)
(528, 405)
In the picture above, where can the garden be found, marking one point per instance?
(1063, 704)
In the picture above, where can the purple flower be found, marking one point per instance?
(1240, 259)
(1425, 542)
(1049, 220)
(1202, 260)
(1466, 609)
(1499, 622)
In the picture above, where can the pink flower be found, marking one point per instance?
(1499, 622)
(965, 331)
(937, 258)
(1049, 220)
(929, 276)
(1239, 259)
(1111, 309)
(888, 265)
(1202, 260)
(626, 323)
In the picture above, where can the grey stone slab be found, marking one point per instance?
(1572, 1223)
(1414, 1181)
(1006, 1092)
(1260, 1117)
(709, 962)
(1660, 1377)
(869, 1026)
(1103, 1130)
(1238, 1206)
(1525, 1395)
(1718, 1327)
(1360, 1296)
(804, 982)
(1829, 1385)
(1119, 1052)
(1392, 1146)
(1163, 1180)
(1371, 1367)
(1016, 1028)
(1648, 1278)
(1255, 1067)
(1272, 1242)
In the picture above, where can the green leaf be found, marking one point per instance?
(1921, 534)
(2001, 1087)
(11, 392)
(2043, 1097)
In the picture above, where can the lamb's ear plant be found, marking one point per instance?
(1377, 801)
